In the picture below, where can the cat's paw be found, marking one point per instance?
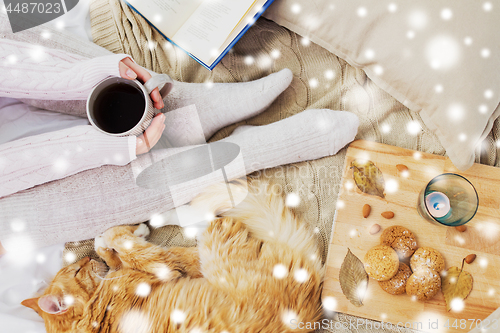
(100, 242)
(142, 231)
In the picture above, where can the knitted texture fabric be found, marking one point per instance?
(321, 80)
(86, 204)
(30, 71)
(33, 72)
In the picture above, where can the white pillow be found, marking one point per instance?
(441, 58)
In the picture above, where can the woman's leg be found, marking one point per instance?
(221, 104)
(86, 204)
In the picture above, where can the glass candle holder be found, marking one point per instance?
(448, 199)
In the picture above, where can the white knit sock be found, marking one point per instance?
(309, 135)
(222, 104)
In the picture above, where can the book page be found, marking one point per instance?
(166, 15)
(248, 19)
(209, 26)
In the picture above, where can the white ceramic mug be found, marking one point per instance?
(161, 81)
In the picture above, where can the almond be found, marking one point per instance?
(388, 215)
(470, 258)
(402, 167)
(461, 228)
(374, 229)
(366, 210)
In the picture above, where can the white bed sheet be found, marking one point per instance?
(24, 275)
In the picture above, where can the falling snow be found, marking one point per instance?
(190, 232)
(443, 52)
(378, 70)
(289, 317)
(249, 60)
(362, 11)
(156, 221)
(330, 303)
(483, 262)
(17, 225)
(457, 304)
(329, 74)
(292, 200)
(488, 94)
(446, 14)
(413, 127)
(313, 83)
(60, 165)
(385, 128)
(410, 34)
(151, 45)
(418, 20)
(157, 18)
(178, 316)
(68, 300)
(485, 53)
(369, 54)
(143, 289)
(301, 275)
(135, 322)
(391, 186)
(275, 54)
(296, 8)
(70, 257)
(209, 84)
(280, 271)
(128, 244)
(162, 272)
(40, 258)
(456, 112)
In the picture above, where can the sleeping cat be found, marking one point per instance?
(255, 269)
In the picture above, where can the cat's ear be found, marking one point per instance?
(32, 303)
(52, 304)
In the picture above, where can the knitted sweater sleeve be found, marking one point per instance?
(31, 71)
(40, 73)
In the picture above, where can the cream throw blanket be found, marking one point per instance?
(321, 80)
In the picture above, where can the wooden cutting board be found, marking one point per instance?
(482, 237)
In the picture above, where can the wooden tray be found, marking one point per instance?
(482, 237)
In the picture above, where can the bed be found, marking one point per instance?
(322, 79)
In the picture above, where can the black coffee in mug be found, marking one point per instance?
(118, 108)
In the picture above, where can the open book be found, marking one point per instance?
(205, 29)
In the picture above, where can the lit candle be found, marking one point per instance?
(438, 204)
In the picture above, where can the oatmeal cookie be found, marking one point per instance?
(381, 262)
(397, 284)
(423, 283)
(402, 240)
(427, 257)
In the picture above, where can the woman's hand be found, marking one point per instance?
(130, 70)
(151, 135)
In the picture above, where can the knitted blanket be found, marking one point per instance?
(321, 80)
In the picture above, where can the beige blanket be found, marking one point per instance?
(321, 80)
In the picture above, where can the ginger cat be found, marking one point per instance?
(255, 269)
